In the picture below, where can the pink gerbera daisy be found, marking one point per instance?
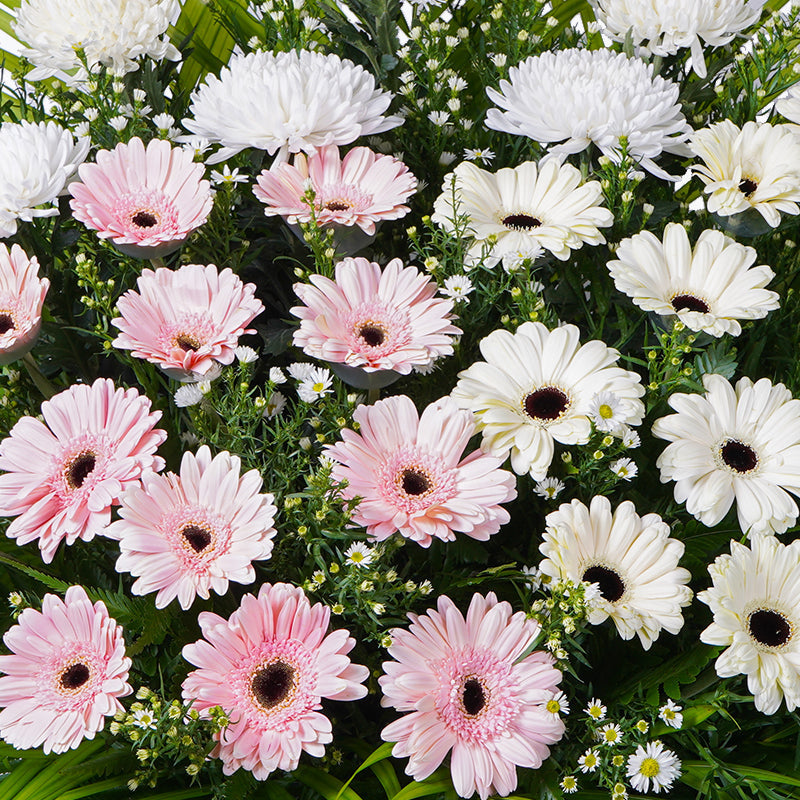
(64, 474)
(406, 470)
(22, 294)
(186, 321)
(361, 189)
(470, 690)
(146, 200)
(183, 535)
(388, 320)
(66, 671)
(268, 667)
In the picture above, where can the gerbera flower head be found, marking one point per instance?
(22, 294)
(388, 319)
(731, 444)
(184, 535)
(113, 33)
(408, 471)
(269, 666)
(288, 102)
(710, 286)
(757, 166)
(64, 676)
(63, 475)
(601, 96)
(525, 209)
(38, 161)
(187, 321)
(146, 200)
(670, 25)
(361, 189)
(755, 599)
(653, 764)
(469, 690)
(631, 559)
(536, 388)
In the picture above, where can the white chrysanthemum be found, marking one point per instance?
(757, 166)
(669, 25)
(709, 287)
(36, 163)
(653, 764)
(585, 96)
(631, 558)
(789, 105)
(288, 102)
(535, 388)
(526, 209)
(728, 445)
(114, 33)
(755, 599)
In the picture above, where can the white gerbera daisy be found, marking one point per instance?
(709, 287)
(37, 163)
(757, 166)
(585, 96)
(789, 105)
(669, 25)
(631, 559)
(535, 389)
(653, 764)
(755, 599)
(114, 33)
(288, 102)
(525, 209)
(728, 445)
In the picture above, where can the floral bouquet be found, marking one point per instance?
(400, 400)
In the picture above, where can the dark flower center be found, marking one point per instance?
(611, 585)
(6, 323)
(271, 684)
(473, 697)
(769, 628)
(187, 343)
(415, 482)
(747, 187)
(81, 466)
(144, 219)
(521, 222)
(74, 676)
(372, 334)
(738, 456)
(687, 302)
(547, 403)
(337, 205)
(198, 538)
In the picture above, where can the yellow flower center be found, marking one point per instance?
(553, 706)
(605, 411)
(649, 768)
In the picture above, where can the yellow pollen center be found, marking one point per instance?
(553, 706)
(318, 386)
(649, 768)
(605, 411)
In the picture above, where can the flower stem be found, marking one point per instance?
(42, 384)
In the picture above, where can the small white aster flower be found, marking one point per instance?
(515, 259)
(118, 123)
(82, 129)
(558, 704)
(245, 355)
(299, 370)
(227, 176)
(670, 714)
(188, 395)
(606, 412)
(457, 287)
(569, 784)
(610, 734)
(276, 376)
(549, 488)
(630, 439)
(163, 122)
(534, 577)
(595, 709)
(305, 444)
(275, 404)
(439, 118)
(143, 718)
(589, 761)
(197, 145)
(624, 468)
(655, 765)
(359, 555)
(482, 154)
(316, 385)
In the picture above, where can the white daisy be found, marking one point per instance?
(276, 376)
(275, 404)
(624, 468)
(482, 154)
(114, 33)
(569, 784)
(709, 287)
(300, 370)
(359, 555)
(595, 709)
(727, 445)
(670, 714)
(534, 577)
(610, 734)
(549, 488)
(755, 599)
(535, 388)
(589, 761)
(317, 384)
(457, 287)
(630, 439)
(655, 765)
(143, 718)
(245, 355)
(607, 414)
(585, 96)
(288, 102)
(631, 559)
(558, 704)
(37, 163)
(525, 209)
(757, 166)
(187, 395)
(667, 26)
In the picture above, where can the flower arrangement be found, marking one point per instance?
(400, 400)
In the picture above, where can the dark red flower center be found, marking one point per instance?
(79, 468)
(187, 343)
(144, 219)
(74, 676)
(688, 302)
(547, 403)
(372, 334)
(415, 482)
(6, 323)
(738, 456)
(521, 222)
(336, 205)
(473, 698)
(611, 585)
(197, 538)
(769, 628)
(747, 187)
(272, 684)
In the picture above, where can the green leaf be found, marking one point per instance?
(92, 789)
(50, 581)
(383, 752)
(329, 787)
(435, 784)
